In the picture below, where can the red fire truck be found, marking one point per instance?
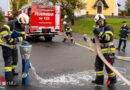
(45, 20)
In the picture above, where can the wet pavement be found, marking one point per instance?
(64, 66)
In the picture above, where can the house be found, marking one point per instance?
(93, 7)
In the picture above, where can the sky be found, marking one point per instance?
(4, 4)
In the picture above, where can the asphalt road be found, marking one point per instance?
(64, 66)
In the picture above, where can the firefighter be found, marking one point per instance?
(105, 35)
(123, 35)
(8, 44)
(68, 32)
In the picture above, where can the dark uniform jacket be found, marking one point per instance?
(6, 30)
(106, 39)
(124, 32)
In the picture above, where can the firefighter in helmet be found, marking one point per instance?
(8, 44)
(68, 32)
(105, 35)
(97, 17)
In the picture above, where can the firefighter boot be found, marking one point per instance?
(64, 40)
(14, 73)
(72, 41)
(11, 83)
(118, 49)
(99, 80)
(123, 50)
(112, 81)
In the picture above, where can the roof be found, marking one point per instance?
(118, 4)
(104, 3)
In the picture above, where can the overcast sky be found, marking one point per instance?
(122, 2)
(4, 4)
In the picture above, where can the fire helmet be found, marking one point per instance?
(23, 18)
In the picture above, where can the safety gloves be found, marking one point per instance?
(96, 31)
(13, 41)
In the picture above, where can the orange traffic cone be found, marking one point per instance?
(3, 83)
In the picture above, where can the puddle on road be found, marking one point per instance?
(76, 79)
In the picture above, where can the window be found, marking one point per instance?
(99, 7)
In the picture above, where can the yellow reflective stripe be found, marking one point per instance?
(12, 45)
(13, 66)
(108, 37)
(22, 32)
(109, 32)
(68, 30)
(100, 34)
(111, 74)
(21, 39)
(8, 27)
(99, 72)
(4, 32)
(8, 68)
(66, 36)
(2, 41)
(108, 49)
(11, 40)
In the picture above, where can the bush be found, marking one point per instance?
(85, 25)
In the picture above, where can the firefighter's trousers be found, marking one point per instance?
(120, 42)
(99, 64)
(10, 60)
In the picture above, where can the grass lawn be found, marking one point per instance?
(85, 25)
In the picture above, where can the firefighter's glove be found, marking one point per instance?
(96, 31)
(93, 40)
(13, 41)
(84, 37)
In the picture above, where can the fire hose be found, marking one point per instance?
(100, 54)
(93, 49)
(97, 49)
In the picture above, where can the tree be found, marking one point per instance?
(127, 4)
(22, 3)
(2, 19)
(68, 7)
(16, 5)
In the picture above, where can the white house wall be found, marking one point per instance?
(116, 8)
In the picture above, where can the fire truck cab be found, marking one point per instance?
(45, 20)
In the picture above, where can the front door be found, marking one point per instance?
(99, 9)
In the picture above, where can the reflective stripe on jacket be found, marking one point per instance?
(106, 40)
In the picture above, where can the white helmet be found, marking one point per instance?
(23, 18)
(98, 16)
(64, 22)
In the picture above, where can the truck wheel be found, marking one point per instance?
(47, 38)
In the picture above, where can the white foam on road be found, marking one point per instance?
(78, 79)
